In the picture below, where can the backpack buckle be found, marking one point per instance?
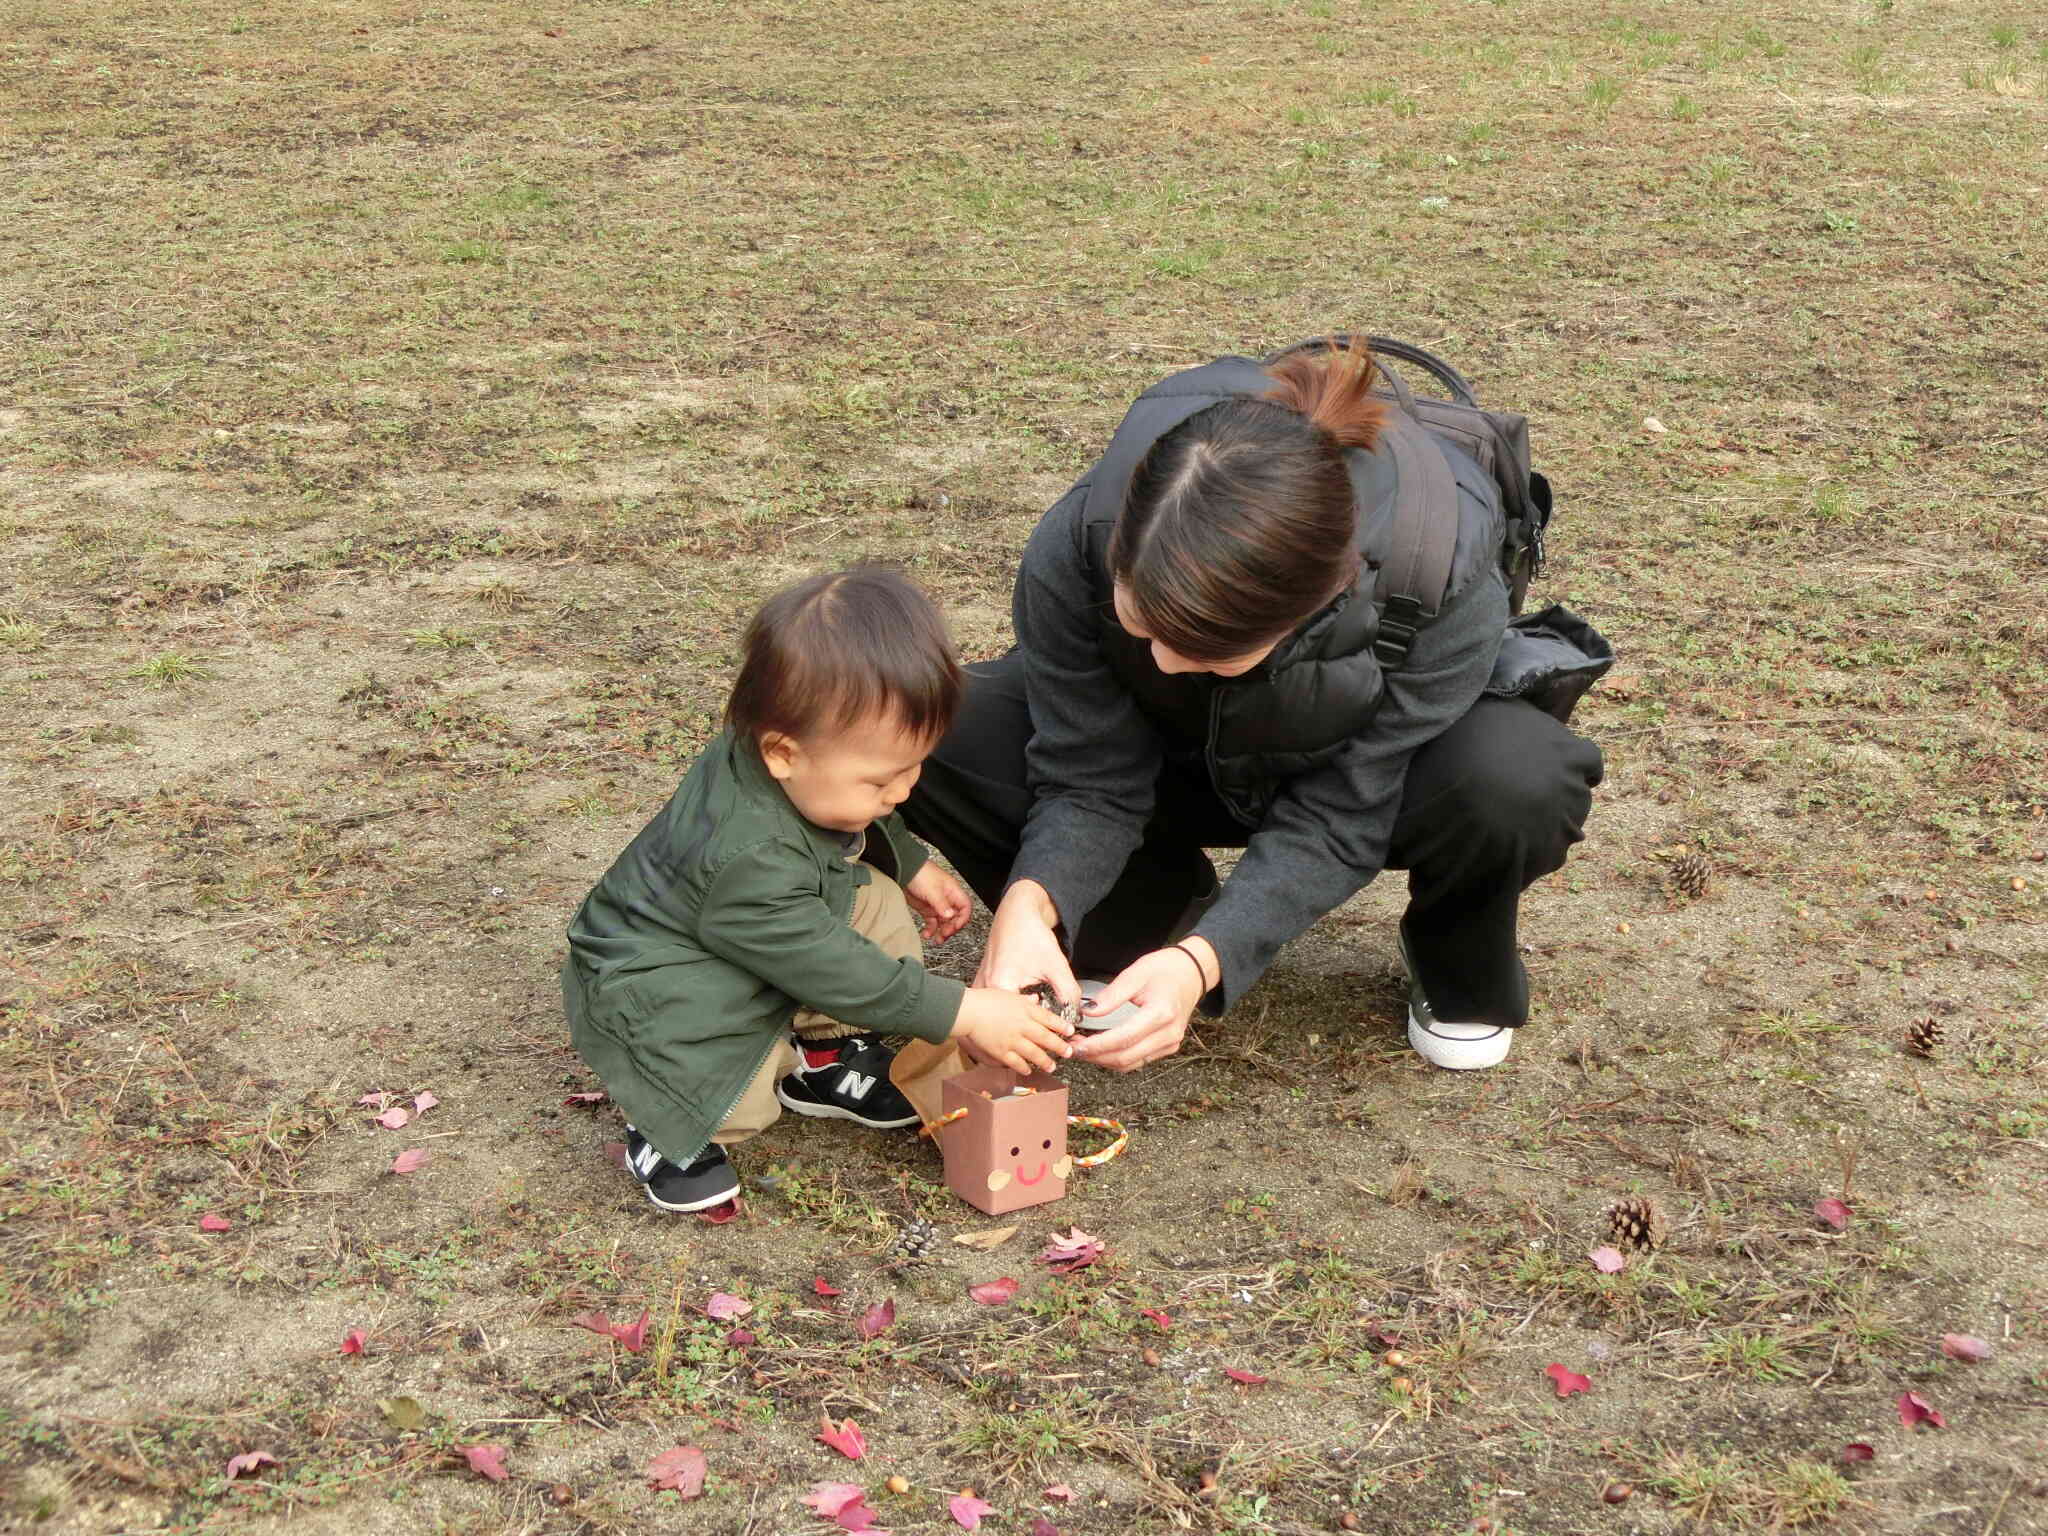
(1399, 621)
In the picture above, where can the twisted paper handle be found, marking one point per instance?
(1117, 1144)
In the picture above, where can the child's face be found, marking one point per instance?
(846, 780)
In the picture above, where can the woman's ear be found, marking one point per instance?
(779, 754)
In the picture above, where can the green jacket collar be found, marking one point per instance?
(757, 784)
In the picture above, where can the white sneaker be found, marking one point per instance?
(1122, 1014)
(1459, 1047)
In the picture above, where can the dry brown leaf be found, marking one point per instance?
(993, 1237)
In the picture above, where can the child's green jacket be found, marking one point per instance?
(728, 911)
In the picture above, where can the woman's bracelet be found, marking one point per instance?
(1201, 971)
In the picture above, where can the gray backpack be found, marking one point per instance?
(1549, 658)
(1418, 566)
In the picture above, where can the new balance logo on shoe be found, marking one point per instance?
(855, 1085)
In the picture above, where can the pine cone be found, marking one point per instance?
(1043, 995)
(1689, 875)
(914, 1243)
(1923, 1035)
(1636, 1223)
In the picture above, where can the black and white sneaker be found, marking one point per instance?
(846, 1079)
(707, 1182)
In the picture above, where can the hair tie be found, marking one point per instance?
(1201, 973)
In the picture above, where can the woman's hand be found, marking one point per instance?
(1023, 948)
(1167, 988)
(940, 900)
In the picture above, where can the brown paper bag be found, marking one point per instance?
(920, 1067)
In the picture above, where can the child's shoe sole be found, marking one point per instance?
(695, 1201)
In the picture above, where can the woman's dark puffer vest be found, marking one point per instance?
(1322, 684)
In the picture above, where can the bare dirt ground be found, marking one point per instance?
(401, 409)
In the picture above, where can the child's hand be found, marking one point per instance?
(940, 900)
(1009, 1029)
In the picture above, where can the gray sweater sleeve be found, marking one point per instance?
(1327, 833)
(1093, 761)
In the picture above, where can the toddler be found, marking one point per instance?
(774, 892)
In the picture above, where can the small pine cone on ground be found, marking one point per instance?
(1923, 1036)
(1637, 1222)
(1690, 874)
(915, 1242)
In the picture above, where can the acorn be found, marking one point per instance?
(1402, 1385)
(1923, 1036)
(1617, 1493)
(1349, 1522)
(897, 1484)
(1637, 1223)
(1393, 1359)
(1150, 1357)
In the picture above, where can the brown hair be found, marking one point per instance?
(846, 646)
(1239, 523)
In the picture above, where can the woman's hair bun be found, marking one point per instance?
(1332, 387)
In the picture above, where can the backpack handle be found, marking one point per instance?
(1384, 347)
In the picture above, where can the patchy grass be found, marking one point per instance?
(402, 417)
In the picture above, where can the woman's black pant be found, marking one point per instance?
(1489, 807)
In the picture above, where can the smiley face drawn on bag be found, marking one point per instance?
(1059, 1167)
(1030, 1145)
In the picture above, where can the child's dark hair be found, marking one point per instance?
(1239, 523)
(851, 645)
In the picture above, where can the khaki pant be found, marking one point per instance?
(879, 913)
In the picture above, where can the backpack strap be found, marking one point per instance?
(1415, 565)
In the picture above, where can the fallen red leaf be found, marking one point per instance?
(409, 1160)
(680, 1470)
(422, 1102)
(211, 1222)
(1249, 1378)
(1059, 1491)
(828, 1499)
(353, 1341)
(1568, 1381)
(1915, 1409)
(723, 1308)
(1040, 1526)
(373, 1101)
(822, 1287)
(584, 1100)
(993, 1293)
(967, 1511)
(1964, 1346)
(877, 1319)
(859, 1518)
(1607, 1260)
(1164, 1321)
(249, 1461)
(740, 1338)
(486, 1461)
(395, 1118)
(844, 1437)
(596, 1322)
(616, 1151)
(1833, 1212)
(718, 1215)
(1076, 1250)
(1856, 1450)
(632, 1338)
